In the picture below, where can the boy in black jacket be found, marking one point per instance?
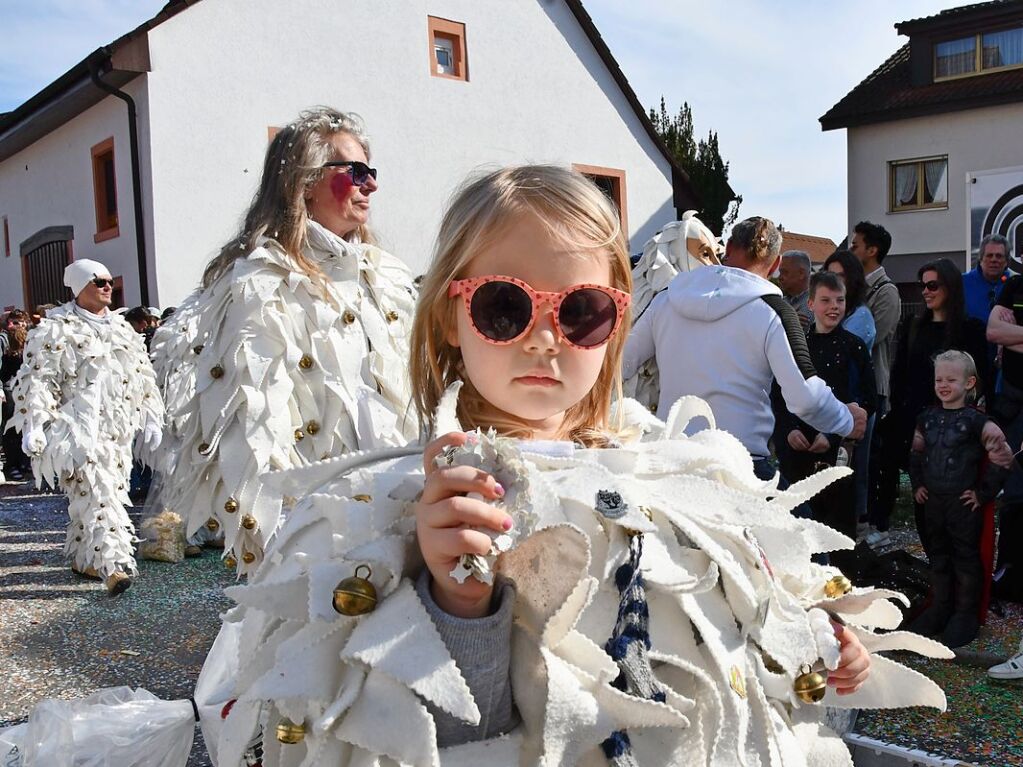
(843, 361)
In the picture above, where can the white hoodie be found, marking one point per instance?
(716, 339)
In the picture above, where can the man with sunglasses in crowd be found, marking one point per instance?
(85, 391)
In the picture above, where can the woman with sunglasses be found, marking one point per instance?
(294, 348)
(940, 326)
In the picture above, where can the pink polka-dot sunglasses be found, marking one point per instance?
(503, 309)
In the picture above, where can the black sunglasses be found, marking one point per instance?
(102, 282)
(359, 171)
(931, 285)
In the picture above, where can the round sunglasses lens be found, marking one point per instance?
(501, 310)
(587, 317)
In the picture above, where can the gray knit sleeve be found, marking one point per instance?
(481, 648)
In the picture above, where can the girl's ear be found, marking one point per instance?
(452, 335)
(971, 383)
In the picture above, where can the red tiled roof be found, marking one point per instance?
(818, 248)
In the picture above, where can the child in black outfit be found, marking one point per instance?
(843, 361)
(945, 468)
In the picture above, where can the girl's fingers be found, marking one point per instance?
(456, 480)
(449, 544)
(460, 511)
(437, 446)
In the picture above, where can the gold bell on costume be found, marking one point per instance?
(837, 586)
(356, 595)
(810, 686)
(289, 732)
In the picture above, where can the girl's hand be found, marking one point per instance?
(820, 444)
(797, 440)
(853, 664)
(444, 517)
(969, 498)
(920, 496)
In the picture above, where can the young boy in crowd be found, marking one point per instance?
(949, 479)
(843, 361)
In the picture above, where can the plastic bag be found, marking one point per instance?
(114, 727)
(163, 537)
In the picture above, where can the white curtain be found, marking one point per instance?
(955, 57)
(905, 185)
(935, 176)
(1003, 49)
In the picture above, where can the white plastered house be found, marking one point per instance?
(444, 86)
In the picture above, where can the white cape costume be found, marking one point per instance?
(729, 584)
(261, 373)
(87, 388)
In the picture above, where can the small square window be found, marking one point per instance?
(447, 49)
(918, 184)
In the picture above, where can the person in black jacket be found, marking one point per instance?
(952, 484)
(943, 325)
(843, 361)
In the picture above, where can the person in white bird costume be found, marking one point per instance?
(85, 391)
(295, 347)
(570, 582)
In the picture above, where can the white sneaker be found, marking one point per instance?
(1011, 669)
(878, 539)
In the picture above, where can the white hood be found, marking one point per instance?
(708, 294)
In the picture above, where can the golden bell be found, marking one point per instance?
(289, 732)
(230, 562)
(348, 318)
(810, 687)
(249, 522)
(299, 435)
(230, 505)
(306, 362)
(248, 557)
(356, 595)
(212, 525)
(312, 427)
(216, 372)
(837, 586)
(391, 316)
(362, 497)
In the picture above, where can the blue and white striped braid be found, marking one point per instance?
(628, 646)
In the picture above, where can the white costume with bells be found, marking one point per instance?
(262, 372)
(729, 586)
(84, 392)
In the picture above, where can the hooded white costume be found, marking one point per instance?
(729, 586)
(260, 373)
(86, 389)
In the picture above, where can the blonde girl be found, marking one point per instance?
(634, 615)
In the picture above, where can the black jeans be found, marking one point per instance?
(952, 544)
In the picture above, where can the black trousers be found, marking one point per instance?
(835, 505)
(952, 544)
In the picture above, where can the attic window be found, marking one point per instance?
(611, 181)
(977, 54)
(447, 49)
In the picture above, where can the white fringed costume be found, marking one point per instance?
(260, 373)
(681, 246)
(728, 583)
(86, 389)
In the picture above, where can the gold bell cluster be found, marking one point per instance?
(837, 586)
(356, 595)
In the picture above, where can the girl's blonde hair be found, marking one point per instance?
(292, 166)
(964, 359)
(576, 213)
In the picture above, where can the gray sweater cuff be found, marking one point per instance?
(481, 648)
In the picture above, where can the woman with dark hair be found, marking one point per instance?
(858, 319)
(941, 326)
(15, 332)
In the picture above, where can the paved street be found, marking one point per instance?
(64, 637)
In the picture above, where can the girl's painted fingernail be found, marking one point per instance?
(507, 524)
(499, 489)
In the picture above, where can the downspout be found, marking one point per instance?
(136, 175)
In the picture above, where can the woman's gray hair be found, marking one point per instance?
(758, 236)
(293, 164)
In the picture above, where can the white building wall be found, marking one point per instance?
(224, 71)
(974, 140)
(50, 184)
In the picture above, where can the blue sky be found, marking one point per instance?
(759, 73)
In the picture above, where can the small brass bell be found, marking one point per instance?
(362, 497)
(810, 686)
(212, 525)
(197, 349)
(391, 316)
(248, 557)
(837, 586)
(230, 505)
(306, 362)
(289, 732)
(230, 562)
(356, 595)
(249, 522)
(312, 427)
(299, 435)
(216, 372)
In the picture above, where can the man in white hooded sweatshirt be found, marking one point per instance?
(723, 333)
(86, 389)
